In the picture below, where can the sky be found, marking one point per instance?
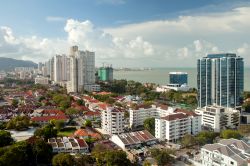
(126, 33)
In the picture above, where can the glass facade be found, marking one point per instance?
(220, 80)
(105, 74)
(178, 78)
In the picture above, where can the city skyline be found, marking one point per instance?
(122, 32)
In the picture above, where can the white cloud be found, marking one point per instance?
(161, 43)
(89, 37)
(55, 19)
(198, 45)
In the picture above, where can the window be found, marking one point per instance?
(232, 163)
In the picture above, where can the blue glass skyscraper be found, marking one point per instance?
(220, 80)
(178, 78)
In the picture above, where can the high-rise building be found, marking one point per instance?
(220, 80)
(178, 78)
(51, 69)
(73, 83)
(82, 71)
(40, 66)
(61, 68)
(105, 73)
(113, 121)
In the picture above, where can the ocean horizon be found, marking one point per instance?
(160, 76)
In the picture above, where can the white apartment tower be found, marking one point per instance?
(82, 70)
(175, 125)
(113, 121)
(61, 68)
(217, 118)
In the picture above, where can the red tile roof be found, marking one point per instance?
(57, 112)
(48, 118)
(92, 113)
(91, 100)
(103, 106)
(82, 143)
(175, 116)
(137, 107)
(189, 113)
(87, 132)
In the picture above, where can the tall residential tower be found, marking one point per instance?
(220, 80)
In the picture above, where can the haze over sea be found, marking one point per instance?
(160, 76)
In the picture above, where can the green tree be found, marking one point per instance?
(42, 152)
(71, 111)
(206, 137)
(191, 100)
(5, 138)
(65, 104)
(177, 97)
(87, 123)
(18, 123)
(41, 98)
(188, 140)
(162, 156)
(98, 153)
(59, 124)
(149, 124)
(227, 134)
(3, 125)
(84, 160)
(14, 103)
(80, 102)
(19, 154)
(63, 159)
(116, 158)
(46, 132)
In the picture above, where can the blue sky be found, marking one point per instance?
(149, 29)
(29, 16)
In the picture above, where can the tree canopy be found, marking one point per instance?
(5, 138)
(188, 140)
(63, 159)
(149, 124)
(18, 123)
(227, 134)
(46, 132)
(162, 156)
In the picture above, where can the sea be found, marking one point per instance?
(160, 76)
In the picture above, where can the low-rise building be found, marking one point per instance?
(217, 118)
(45, 116)
(42, 80)
(176, 87)
(141, 112)
(133, 140)
(175, 125)
(227, 152)
(68, 145)
(92, 87)
(112, 120)
(86, 133)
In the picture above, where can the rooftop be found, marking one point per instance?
(175, 116)
(236, 149)
(223, 55)
(48, 118)
(189, 113)
(136, 137)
